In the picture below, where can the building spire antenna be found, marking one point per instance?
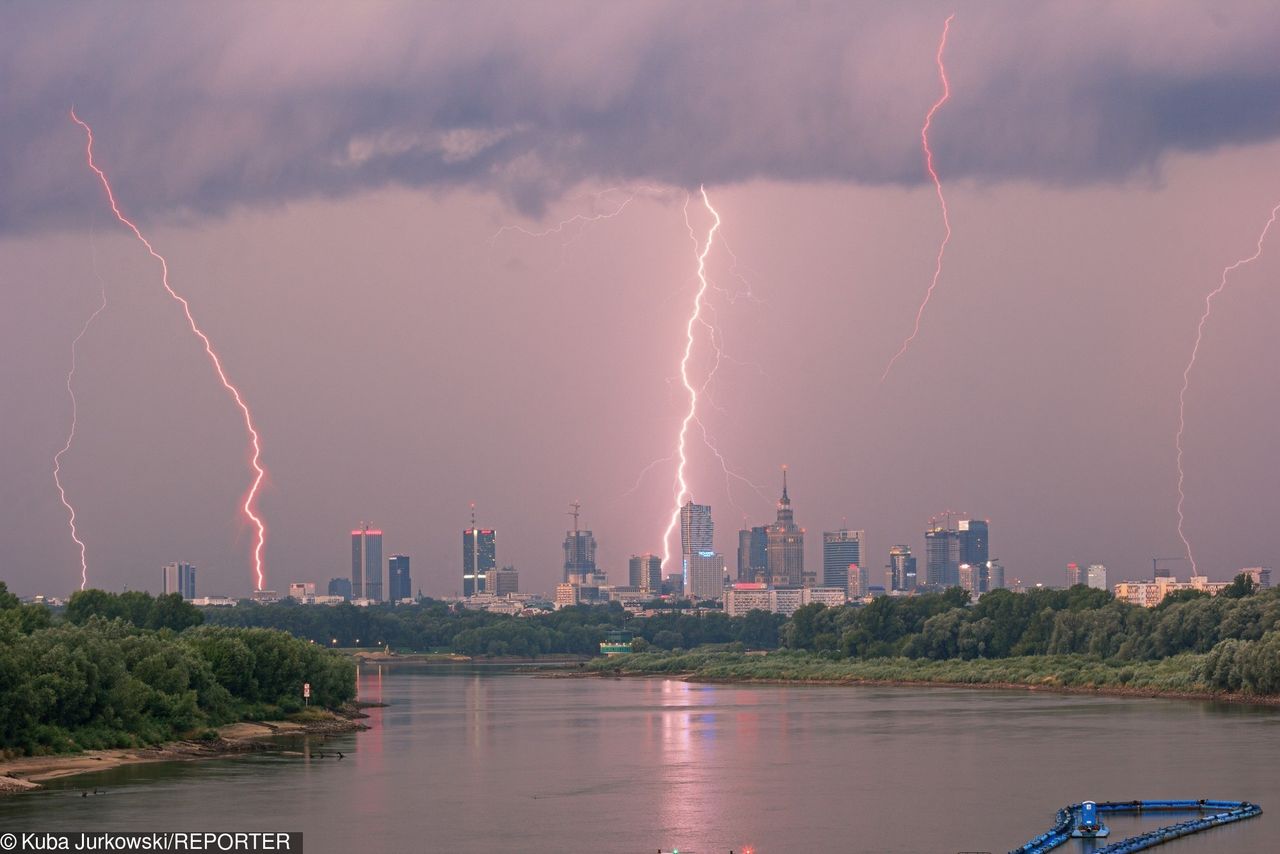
(785, 499)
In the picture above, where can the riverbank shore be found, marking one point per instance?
(457, 658)
(1170, 679)
(26, 774)
(1093, 691)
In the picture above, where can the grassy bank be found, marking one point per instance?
(1177, 676)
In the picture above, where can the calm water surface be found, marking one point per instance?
(491, 761)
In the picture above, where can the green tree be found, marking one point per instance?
(84, 604)
(760, 629)
(667, 639)
(171, 611)
(809, 621)
(1240, 587)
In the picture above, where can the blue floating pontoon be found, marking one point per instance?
(1084, 820)
(1087, 823)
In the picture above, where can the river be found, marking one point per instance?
(490, 760)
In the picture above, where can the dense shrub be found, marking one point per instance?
(97, 681)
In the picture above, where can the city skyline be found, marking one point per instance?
(817, 386)
(950, 543)
(525, 299)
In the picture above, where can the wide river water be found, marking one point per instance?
(490, 760)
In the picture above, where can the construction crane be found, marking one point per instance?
(1155, 566)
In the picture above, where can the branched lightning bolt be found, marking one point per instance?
(728, 472)
(643, 473)
(733, 296)
(682, 488)
(256, 456)
(942, 201)
(71, 433)
(580, 219)
(1186, 374)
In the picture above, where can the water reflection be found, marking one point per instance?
(477, 703)
(469, 762)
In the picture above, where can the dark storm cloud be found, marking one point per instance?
(202, 107)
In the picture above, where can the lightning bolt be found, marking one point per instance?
(255, 460)
(643, 473)
(563, 224)
(937, 186)
(733, 296)
(581, 219)
(728, 472)
(71, 433)
(682, 488)
(1186, 374)
(714, 337)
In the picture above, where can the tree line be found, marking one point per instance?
(1079, 620)
(433, 626)
(130, 669)
(1238, 630)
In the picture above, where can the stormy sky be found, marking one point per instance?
(330, 185)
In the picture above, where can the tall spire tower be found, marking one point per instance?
(784, 546)
(784, 503)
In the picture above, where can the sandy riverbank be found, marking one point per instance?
(27, 773)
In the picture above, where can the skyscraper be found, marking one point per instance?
(972, 578)
(179, 578)
(579, 551)
(942, 553)
(399, 584)
(340, 587)
(696, 529)
(366, 563)
(841, 550)
(704, 573)
(785, 545)
(753, 554)
(1074, 575)
(646, 573)
(479, 555)
(1096, 576)
(697, 552)
(975, 548)
(859, 582)
(995, 575)
(902, 568)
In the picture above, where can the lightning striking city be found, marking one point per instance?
(942, 200)
(255, 460)
(695, 317)
(71, 434)
(1186, 377)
